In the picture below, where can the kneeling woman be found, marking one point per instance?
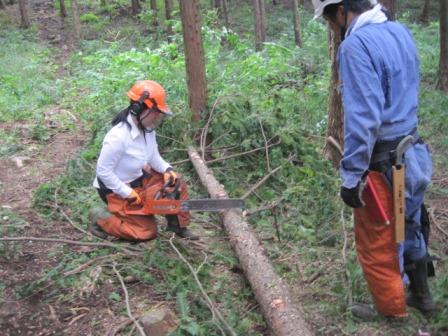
(129, 162)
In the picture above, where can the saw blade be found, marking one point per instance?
(212, 204)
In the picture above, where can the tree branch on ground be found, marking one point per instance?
(70, 242)
(215, 312)
(126, 296)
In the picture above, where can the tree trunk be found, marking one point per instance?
(260, 24)
(24, 18)
(391, 7)
(76, 21)
(443, 63)
(271, 292)
(154, 10)
(62, 10)
(225, 13)
(2, 5)
(335, 128)
(297, 29)
(194, 57)
(135, 7)
(11, 2)
(425, 12)
(168, 17)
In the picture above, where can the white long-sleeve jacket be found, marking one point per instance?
(124, 153)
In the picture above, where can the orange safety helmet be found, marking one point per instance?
(151, 93)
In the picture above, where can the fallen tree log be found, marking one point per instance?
(273, 295)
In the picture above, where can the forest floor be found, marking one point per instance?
(20, 176)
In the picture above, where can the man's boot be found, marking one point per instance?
(94, 215)
(419, 296)
(182, 232)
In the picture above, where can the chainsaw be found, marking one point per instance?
(164, 202)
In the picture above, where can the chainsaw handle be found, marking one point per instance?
(162, 193)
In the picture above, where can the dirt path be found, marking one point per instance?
(20, 175)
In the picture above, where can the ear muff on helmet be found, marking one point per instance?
(137, 107)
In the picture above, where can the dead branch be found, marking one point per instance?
(205, 129)
(265, 145)
(344, 260)
(230, 156)
(57, 207)
(271, 292)
(126, 296)
(70, 242)
(260, 182)
(211, 305)
(267, 206)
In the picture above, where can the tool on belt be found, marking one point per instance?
(373, 202)
(164, 202)
(398, 180)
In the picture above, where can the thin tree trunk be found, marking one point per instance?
(260, 24)
(2, 5)
(443, 62)
(11, 2)
(194, 57)
(153, 5)
(24, 18)
(135, 7)
(425, 12)
(271, 292)
(297, 29)
(335, 109)
(62, 9)
(225, 12)
(76, 21)
(391, 7)
(168, 17)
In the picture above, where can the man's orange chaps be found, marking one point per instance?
(134, 227)
(378, 254)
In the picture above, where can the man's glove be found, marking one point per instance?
(170, 177)
(352, 196)
(134, 198)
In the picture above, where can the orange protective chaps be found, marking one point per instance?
(378, 254)
(134, 227)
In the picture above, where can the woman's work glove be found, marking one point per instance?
(352, 196)
(134, 198)
(170, 177)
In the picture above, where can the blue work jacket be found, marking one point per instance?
(379, 72)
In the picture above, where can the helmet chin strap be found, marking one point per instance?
(142, 127)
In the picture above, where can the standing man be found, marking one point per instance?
(379, 72)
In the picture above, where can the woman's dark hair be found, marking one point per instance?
(355, 6)
(122, 116)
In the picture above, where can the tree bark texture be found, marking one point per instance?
(284, 318)
(225, 13)
(24, 18)
(135, 9)
(335, 126)
(62, 9)
(443, 62)
(425, 12)
(168, 16)
(154, 10)
(260, 24)
(76, 21)
(297, 29)
(391, 7)
(194, 57)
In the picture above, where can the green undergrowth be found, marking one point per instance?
(277, 97)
